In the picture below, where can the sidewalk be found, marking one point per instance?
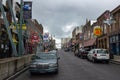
(116, 60)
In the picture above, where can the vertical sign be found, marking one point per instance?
(27, 10)
(46, 36)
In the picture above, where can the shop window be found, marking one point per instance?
(117, 48)
(116, 37)
(119, 37)
(113, 38)
(110, 39)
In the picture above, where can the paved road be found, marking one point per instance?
(74, 68)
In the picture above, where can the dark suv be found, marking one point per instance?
(83, 52)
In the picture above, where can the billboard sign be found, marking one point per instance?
(27, 10)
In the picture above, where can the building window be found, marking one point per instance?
(88, 34)
(105, 29)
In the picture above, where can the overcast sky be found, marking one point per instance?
(59, 17)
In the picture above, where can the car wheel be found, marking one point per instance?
(56, 72)
(94, 61)
(81, 56)
(88, 59)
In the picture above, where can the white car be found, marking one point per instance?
(98, 55)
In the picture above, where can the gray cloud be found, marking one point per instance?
(56, 14)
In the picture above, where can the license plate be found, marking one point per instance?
(102, 55)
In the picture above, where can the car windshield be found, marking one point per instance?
(102, 51)
(46, 56)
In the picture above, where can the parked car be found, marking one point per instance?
(83, 52)
(44, 62)
(66, 49)
(98, 55)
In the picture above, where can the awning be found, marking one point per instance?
(90, 42)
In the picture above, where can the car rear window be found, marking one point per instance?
(46, 56)
(102, 51)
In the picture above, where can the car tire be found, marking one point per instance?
(56, 72)
(81, 56)
(93, 60)
(88, 59)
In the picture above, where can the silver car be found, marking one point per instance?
(98, 55)
(44, 62)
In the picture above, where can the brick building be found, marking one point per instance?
(114, 34)
(103, 40)
(89, 38)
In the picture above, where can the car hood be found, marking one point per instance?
(44, 61)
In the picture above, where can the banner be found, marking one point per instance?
(27, 10)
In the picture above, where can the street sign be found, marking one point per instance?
(27, 10)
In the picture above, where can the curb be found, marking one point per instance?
(115, 62)
(17, 74)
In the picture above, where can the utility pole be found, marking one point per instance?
(21, 47)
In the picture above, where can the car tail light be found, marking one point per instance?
(95, 55)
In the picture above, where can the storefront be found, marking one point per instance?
(90, 43)
(115, 44)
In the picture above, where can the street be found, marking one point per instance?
(74, 68)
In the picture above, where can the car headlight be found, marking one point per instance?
(32, 65)
(52, 65)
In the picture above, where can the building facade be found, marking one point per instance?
(103, 40)
(64, 42)
(89, 40)
(114, 34)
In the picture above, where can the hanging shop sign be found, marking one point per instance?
(35, 37)
(14, 27)
(27, 10)
(97, 31)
